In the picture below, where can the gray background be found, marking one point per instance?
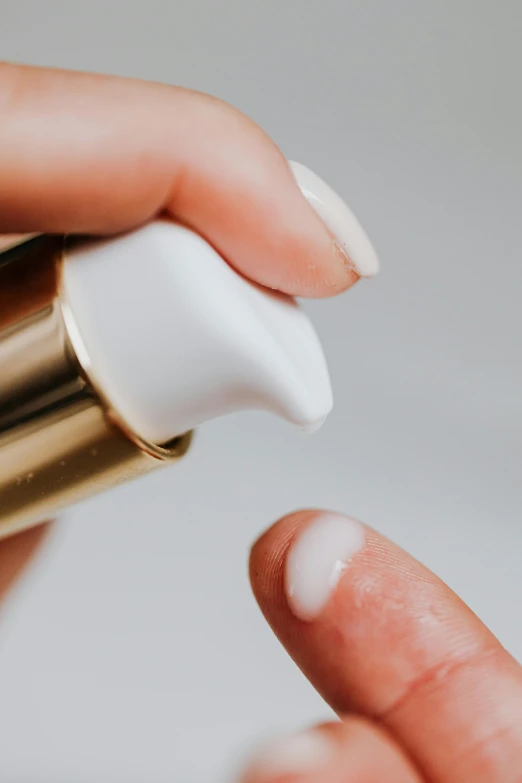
(133, 651)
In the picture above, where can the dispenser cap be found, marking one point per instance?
(173, 336)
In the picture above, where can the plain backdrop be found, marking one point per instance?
(133, 652)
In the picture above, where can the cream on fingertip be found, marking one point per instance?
(317, 559)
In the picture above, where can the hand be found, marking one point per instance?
(424, 691)
(81, 153)
(429, 692)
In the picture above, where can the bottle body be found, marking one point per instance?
(59, 440)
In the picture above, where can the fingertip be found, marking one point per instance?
(268, 551)
(351, 238)
(320, 554)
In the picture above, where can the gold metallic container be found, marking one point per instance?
(60, 441)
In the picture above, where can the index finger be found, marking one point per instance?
(81, 153)
(378, 634)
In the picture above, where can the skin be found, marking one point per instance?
(423, 690)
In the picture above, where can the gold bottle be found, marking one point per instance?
(112, 351)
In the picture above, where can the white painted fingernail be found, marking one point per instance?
(340, 220)
(306, 751)
(316, 561)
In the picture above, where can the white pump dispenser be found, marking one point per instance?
(176, 337)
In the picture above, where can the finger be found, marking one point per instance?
(377, 633)
(15, 554)
(354, 751)
(82, 153)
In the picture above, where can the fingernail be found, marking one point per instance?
(340, 220)
(304, 752)
(317, 558)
